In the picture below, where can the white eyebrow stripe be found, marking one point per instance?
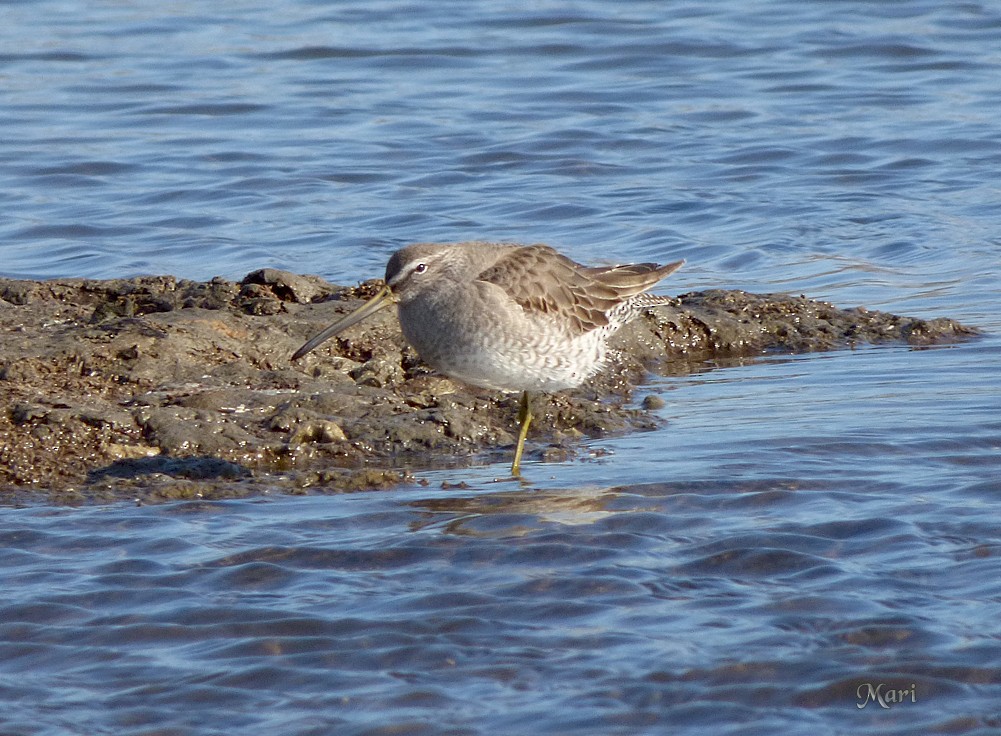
(404, 273)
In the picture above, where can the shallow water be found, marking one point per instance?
(802, 528)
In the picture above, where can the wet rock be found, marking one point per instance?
(290, 287)
(156, 388)
(652, 402)
(197, 468)
(380, 371)
(319, 430)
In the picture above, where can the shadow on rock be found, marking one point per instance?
(191, 468)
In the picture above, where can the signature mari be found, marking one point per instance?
(884, 696)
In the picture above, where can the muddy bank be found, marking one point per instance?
(157, 388)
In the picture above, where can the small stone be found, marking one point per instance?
(652, 402)
(318, 431)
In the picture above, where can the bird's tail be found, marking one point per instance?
(634, 278)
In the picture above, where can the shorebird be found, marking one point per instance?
(508, 317)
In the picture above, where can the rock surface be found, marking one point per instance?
(159, 388)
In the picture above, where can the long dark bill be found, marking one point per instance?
(383, 299)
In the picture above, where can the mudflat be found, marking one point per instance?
(157, 388)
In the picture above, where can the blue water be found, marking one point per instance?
(802, 528)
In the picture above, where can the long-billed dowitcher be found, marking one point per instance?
(508, 317)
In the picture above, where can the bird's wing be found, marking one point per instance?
(543, 281)
(632, 279)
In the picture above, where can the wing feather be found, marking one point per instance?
(543, 281)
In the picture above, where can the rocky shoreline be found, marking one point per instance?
(157, 388)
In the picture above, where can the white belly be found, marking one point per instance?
(512, 354)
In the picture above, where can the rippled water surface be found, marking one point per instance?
(809, 545)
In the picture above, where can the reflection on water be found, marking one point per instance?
(808, 544)
(502, 512)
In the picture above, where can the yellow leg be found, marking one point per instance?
(524, 418)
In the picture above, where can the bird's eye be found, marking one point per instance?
(420, 268)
